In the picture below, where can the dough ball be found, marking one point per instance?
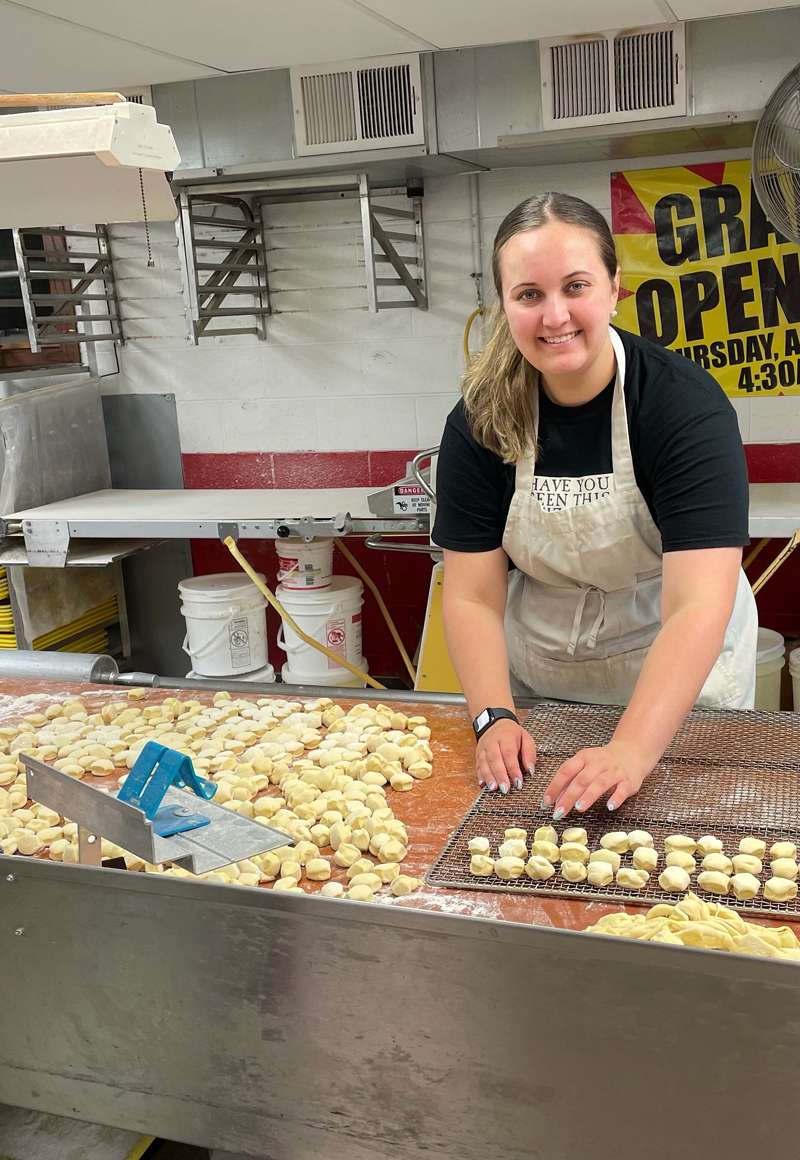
(745, 886)
(674, 880)
(513, 848)
(516, 832)
(717, 861)
(392, 851)
(780, 889)
(574, 834)
(714, 881)
(509, 867)
(755, 846)
(370, 880)
(28, 842)
(679, 842)
(600, 873)
(286, 885)
(546, 834)
(611, 857)
(616, 841)
(481, 865)
(709, 844)
(637, 838)
(783, 850)
(346, 854)
(645, 858)
(388, 871)
(539, 869)
(631, 878)
(360, 866)
(544, 849)
(574, 871)
(573, 852)
(683, 859)
(360, 893)
(332, 890)
(318, 869)
(305, 852)
(781, 868)
(404, 884)
(478, 846)
(747, 864)
(291, 868)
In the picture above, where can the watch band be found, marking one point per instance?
(487, 717)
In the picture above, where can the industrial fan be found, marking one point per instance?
(776, 157)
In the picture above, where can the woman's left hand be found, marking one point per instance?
(616, 769)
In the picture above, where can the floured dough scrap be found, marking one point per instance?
(600, 873)
(755, 846)
(478, 846)
(631, 878)
(780, 889)
(610, 857)
(674, 880)
(617, 841)
(539, 869)
(714, 881)
(645, 858)
(481, 865)
(785, 868)
(679, 842)
(745, 886)
(574, 871)
(509, 867)
(718, 861)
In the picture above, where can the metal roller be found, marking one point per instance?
(83, 668)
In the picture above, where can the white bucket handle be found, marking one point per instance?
(210, 643)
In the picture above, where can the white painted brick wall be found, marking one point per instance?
(332, 376)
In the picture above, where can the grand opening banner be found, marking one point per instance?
(705, 273)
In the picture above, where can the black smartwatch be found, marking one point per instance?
(487, 718)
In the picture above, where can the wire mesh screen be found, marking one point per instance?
(726, 773)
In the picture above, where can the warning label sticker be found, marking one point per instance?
(410, 499)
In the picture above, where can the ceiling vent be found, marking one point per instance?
(140, 95)
(630, 75)
(358, 104)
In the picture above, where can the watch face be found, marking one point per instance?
(482, 719)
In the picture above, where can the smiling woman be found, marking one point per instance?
(592, 504)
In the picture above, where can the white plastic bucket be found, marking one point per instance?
(769, 663)
(331, 616)
(226, 626)
(794, 669)
(305, 565)
(341, 678)
(264, 676)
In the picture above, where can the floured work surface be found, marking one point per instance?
(729, 773)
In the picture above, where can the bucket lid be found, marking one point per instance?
(216, 585)
(771, 645)
(319, 595)
(794, 661)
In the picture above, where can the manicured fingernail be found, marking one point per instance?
(504, 789)
(558, 814)
(492, 786)
(545, 803)
(612, 806)
(578, 805)
(531, 769)
(518, 783)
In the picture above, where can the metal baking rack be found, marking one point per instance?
(726, 773)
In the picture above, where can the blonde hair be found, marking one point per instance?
(498, 384)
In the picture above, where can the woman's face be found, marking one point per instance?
(558, 298)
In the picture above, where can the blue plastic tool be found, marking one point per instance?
(156, 770)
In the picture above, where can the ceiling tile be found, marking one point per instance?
(38, 54)
(251, 34)
(456, 24)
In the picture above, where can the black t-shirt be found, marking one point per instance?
(687, 454)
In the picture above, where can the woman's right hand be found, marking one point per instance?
(503, 755)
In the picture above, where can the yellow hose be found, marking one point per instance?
(475, 314)
(140, 1147)
(284, 615)
(370, 583)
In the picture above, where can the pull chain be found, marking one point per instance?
(150, 259)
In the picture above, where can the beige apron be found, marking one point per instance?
(584, 605)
